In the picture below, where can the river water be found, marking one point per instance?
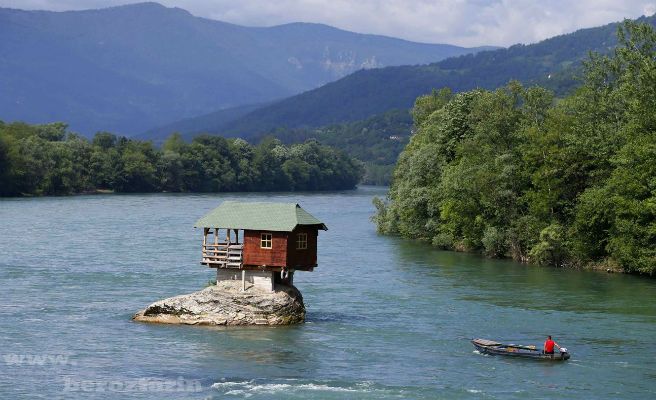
(386, 318)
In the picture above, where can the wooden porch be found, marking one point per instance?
(222, 254)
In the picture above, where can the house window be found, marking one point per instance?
(301, 241)
(266, 241)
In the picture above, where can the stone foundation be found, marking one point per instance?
(263, 280)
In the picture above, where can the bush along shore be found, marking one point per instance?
(49, 160)
(514, 173)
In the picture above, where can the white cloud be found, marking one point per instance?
(462, 22)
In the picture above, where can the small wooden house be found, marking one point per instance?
(259, 243)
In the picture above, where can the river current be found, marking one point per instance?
(386, 318)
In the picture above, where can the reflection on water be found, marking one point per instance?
(386, 317)
(504, 283)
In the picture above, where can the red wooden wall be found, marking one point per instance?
(283, 252)
(302, 258)
(254, 255)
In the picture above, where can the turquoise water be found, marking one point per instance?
(387, 318)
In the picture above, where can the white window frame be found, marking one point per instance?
(266, 241)
(301, 241)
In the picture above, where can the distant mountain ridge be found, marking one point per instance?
(195, 125)
(553, 63)
(128, 68)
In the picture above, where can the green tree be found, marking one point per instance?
(136, 168)
(512, 172)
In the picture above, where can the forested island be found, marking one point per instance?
(49, 160)
(514, 173)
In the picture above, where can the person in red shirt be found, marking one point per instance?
(549, 345)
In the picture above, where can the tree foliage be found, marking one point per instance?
(513, 173)
(49, 160)
(376, 141)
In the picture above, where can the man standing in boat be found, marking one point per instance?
(549, 345)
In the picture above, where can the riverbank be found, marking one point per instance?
(48, 159)
(605, 266)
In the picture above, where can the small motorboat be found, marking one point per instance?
(485, 346)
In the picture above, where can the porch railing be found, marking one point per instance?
(223, 255)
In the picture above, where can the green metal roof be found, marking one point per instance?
(281, 217)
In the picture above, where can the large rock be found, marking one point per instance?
(227, 304)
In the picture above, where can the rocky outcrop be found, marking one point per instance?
(227, 304)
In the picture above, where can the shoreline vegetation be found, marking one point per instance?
(37, 160)
(515, 173)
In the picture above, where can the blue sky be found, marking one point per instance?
(461, 22)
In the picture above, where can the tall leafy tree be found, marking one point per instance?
(512, 173)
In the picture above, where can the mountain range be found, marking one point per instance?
(126, 69)
(554, 63)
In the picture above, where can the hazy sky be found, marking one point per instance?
(462, 22)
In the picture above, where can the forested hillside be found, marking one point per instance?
(512, 173)
(130, 68)
(354, 113)
(191, 127)
(552, 63)
(47, 160)
(377, 141)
